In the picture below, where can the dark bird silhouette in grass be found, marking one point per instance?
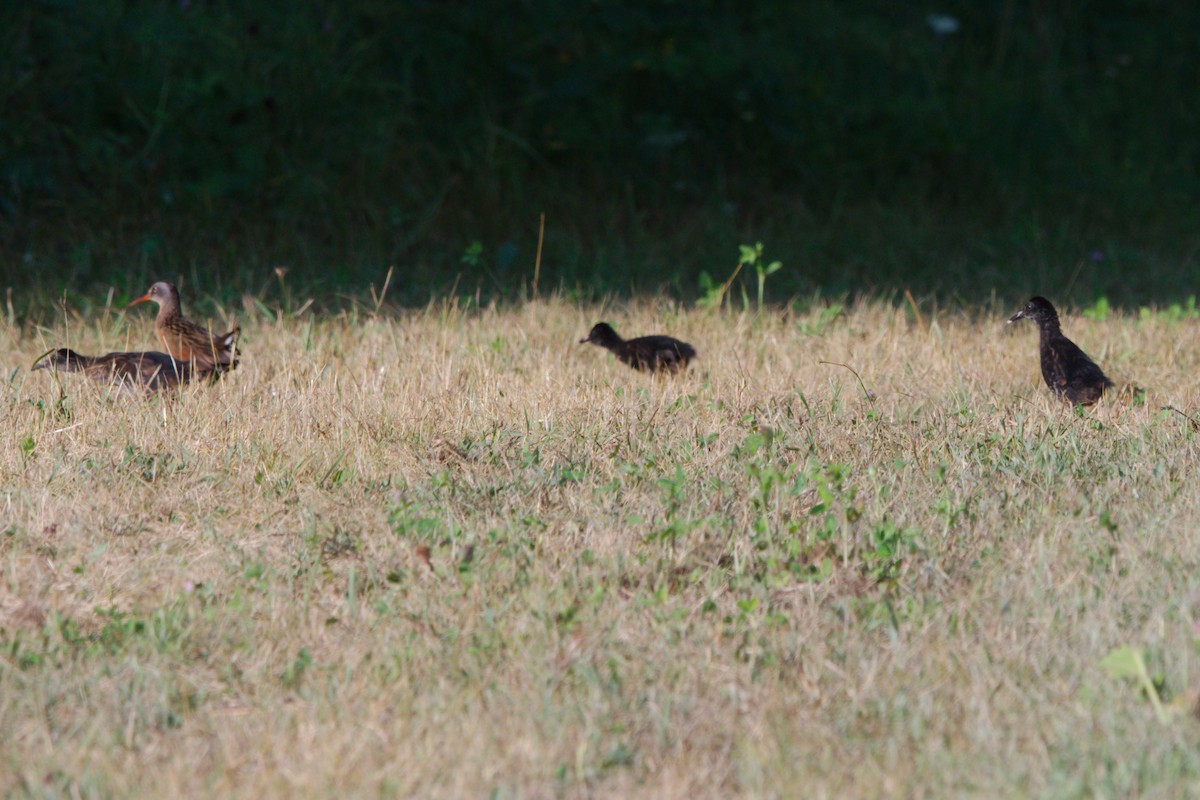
(1068, 371)
(180, 337)
(129, 373)
(653, 353)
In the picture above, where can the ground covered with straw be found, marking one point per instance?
(853, 551)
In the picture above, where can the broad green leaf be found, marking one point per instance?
(1124, 662)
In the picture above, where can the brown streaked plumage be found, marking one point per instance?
(182, 338)
(653, 353)
(1067, 370)
(130, 371)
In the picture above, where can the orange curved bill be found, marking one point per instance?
(141, 299)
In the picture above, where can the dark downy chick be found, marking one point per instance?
(653, 353)
(1068, 371)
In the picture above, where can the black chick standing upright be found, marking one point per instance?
(1068, 371)
(653, 353)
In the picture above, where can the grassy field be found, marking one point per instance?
(454, 553)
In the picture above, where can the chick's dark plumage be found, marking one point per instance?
(1068, 371)
(653, 353)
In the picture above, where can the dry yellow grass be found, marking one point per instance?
(458, 554)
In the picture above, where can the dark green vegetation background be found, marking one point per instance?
(1045, 146)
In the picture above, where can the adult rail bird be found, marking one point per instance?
(652, 353)
(1068, 371)
(180, 337)
(128, 372)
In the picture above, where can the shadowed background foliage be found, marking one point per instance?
(1041, 146)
